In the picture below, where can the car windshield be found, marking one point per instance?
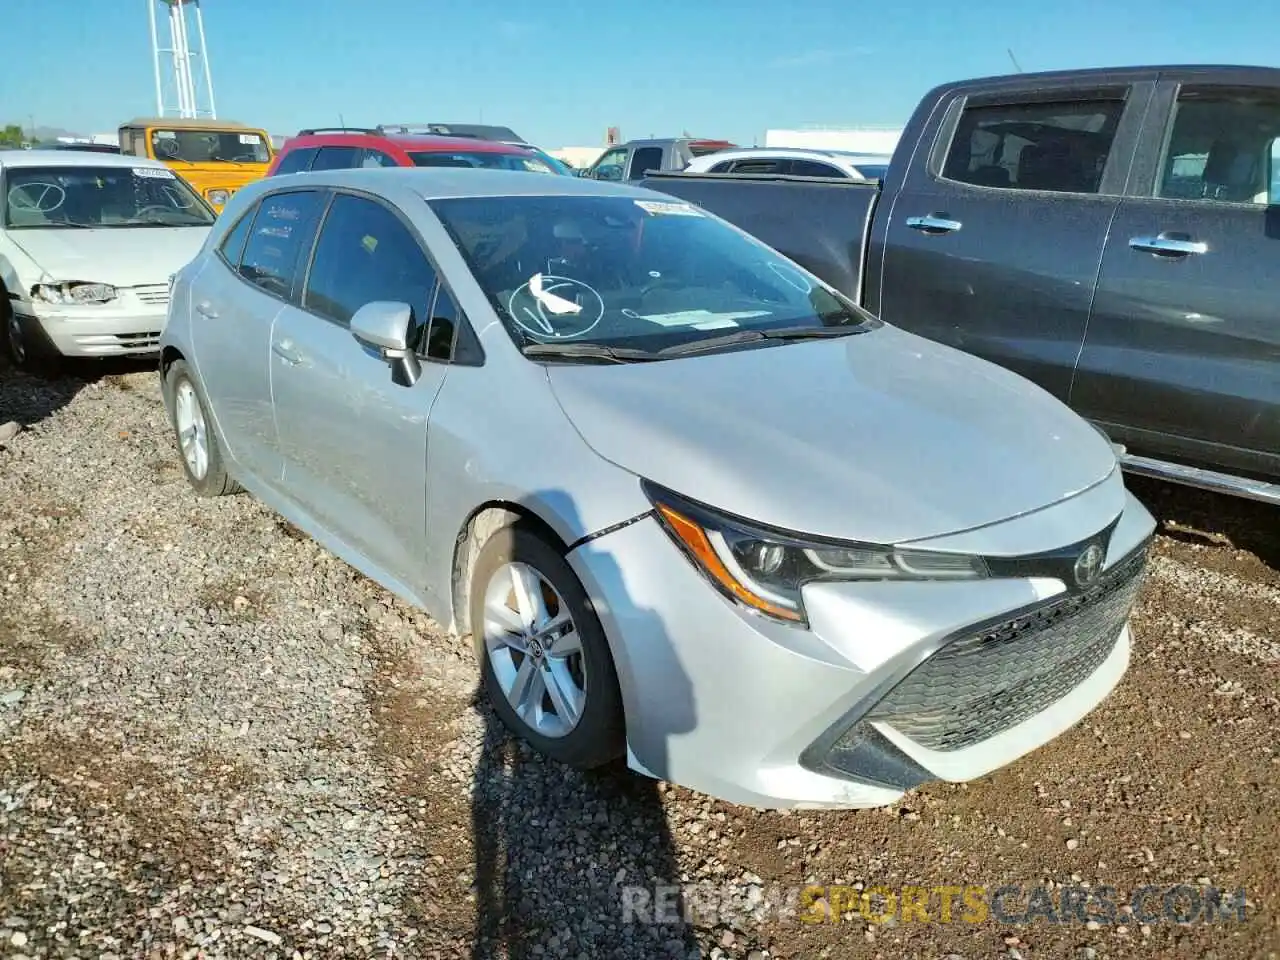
(492, 160)
(557, 166)
(871, 171)
(210, 146)
(644, 273)
(86, 196)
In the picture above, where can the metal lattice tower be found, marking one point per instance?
(184, 85)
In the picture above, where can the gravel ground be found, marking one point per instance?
(216, 740)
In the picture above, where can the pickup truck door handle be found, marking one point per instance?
(284, 349)
(205, 309)
(1168, 246)
(934, 223)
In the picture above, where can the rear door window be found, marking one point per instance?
(280, 240)
(644, 160)
(377, 158)
(1057, 147)
(815, 168)
(296, 161)
(336, 158)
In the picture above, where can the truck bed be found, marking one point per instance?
(835, 216)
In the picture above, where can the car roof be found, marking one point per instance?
(423, 143)
(73, 158)
(438, 183)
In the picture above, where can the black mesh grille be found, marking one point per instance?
(982, 684)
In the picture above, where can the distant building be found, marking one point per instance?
(878, 140)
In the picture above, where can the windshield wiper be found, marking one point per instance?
(53, 225)
(587, 351)
(224, 160)
(752, 335)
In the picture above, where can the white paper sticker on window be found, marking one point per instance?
(165, 135)
(661, 207)
(154, 173)
(248, 138)
(701, 319)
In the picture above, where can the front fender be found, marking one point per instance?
(514, 449)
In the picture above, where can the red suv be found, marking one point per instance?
(341, 148)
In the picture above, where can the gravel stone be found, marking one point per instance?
(217, 740)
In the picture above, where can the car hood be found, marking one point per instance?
(120, 256)
(882, 437)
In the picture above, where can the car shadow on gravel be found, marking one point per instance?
(28, 399)
(573, 864)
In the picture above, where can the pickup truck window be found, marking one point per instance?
(609, 166)
(1059, 147)
(1222, 147)
(644, 160)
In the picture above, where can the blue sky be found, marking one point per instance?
(561, 72)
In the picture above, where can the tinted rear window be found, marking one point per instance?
(296, 160)
(526, 162)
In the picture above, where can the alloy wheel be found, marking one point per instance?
(193, 435)
(535, 650)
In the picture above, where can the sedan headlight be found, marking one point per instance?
(73, 292)
(765, 569)
(218, 198)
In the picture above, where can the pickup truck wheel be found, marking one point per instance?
(201, 457)
(545, 662)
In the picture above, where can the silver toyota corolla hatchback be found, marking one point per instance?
(695, 508)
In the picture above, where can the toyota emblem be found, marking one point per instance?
(1088, 565)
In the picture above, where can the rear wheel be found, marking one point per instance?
(545, 662)
(201, 457)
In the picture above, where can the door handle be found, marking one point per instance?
(934, 223)
(1168, 246)
(284, 350)
(205, 309)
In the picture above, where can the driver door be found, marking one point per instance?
(609, 166)
(354, 442)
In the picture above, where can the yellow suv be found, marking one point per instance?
(216, 157)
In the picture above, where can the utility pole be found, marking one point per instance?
(1016, 65)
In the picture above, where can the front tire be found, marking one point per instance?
(27, 349)
(201, 456)
(545, 661)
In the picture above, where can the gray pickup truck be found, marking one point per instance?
(1113, 235)
(636, 159)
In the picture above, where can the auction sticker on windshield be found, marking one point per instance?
(249, 138)
(700, 319)
(663, 208)
(153, 173)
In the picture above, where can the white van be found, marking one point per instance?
(88, 242)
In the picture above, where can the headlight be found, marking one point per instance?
(74, 292)
(765, 569)
(218, 198)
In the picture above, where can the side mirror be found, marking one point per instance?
(384, 326)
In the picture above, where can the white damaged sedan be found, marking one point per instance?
(88, 242)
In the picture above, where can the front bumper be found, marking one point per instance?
(131, 324)
(862, 705)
